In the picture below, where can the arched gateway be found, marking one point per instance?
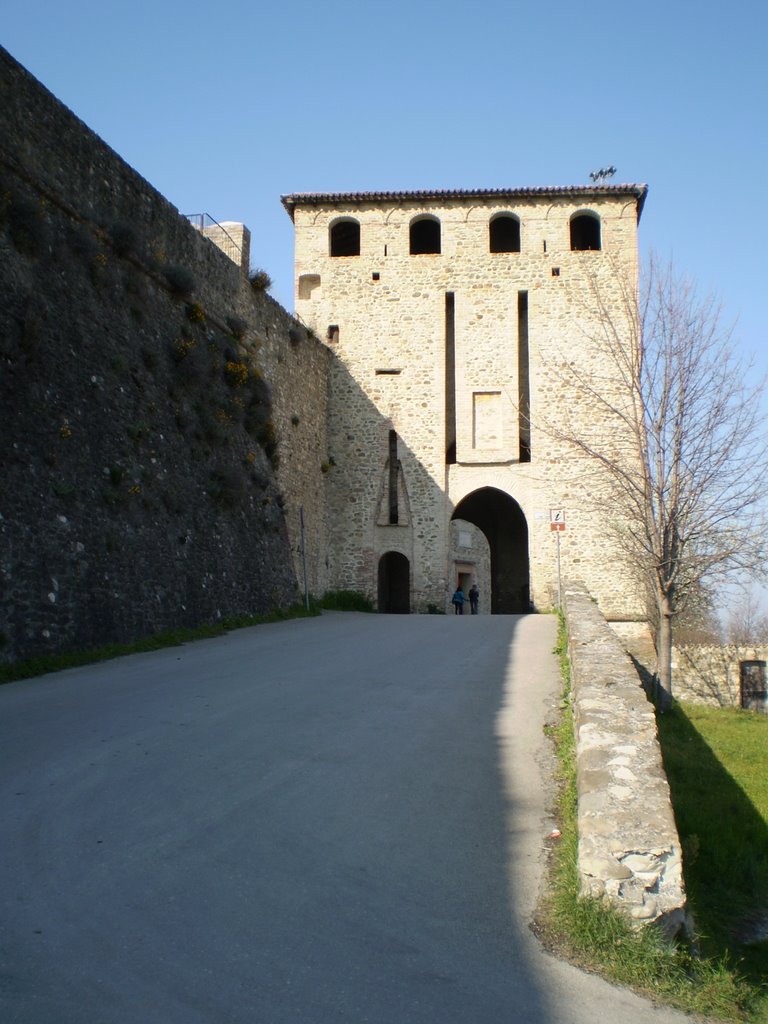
(502, 521)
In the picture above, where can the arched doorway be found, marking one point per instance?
(394, 584)
(502, 521)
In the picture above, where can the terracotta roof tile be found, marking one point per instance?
(290, 202)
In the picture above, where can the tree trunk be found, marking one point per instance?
(664, 652)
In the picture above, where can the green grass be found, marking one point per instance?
(72, 659)
(716, 761)
(601, 939)
(345, 601)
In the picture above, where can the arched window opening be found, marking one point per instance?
(585, 232)
(504, 234)
(345, 238)
(425, 236)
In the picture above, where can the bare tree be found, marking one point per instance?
(697, 622)
(687, 462)
(746, 622)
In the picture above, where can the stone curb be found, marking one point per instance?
(629, 849)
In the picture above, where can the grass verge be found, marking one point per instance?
(721, 810)
(72, 659)
(345, 601)
(599, 938)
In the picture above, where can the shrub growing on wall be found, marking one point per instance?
(180, 280)
(260, 280)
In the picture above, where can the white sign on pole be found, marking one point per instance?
(557, 526)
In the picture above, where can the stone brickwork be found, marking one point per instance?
(163, 423)
(711, 674)
(629, 849)
(446, 349)
(395, 407)
(234, 240)
(470, 557)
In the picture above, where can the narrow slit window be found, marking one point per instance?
(450, 379)
(394, 466)
(523, 379)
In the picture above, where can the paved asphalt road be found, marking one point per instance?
(328, 820)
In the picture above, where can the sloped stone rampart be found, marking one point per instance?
(144, 387)
(629, 849)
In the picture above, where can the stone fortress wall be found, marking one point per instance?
(167, 425)
(443, 349)
(163, 423)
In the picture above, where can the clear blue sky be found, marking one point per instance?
(225, 106)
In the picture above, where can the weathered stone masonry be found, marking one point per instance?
(721, 675)
(145, 388)
(460, 322)
(629, 849)
(137, 492)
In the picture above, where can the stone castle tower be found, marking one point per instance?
(463, 324)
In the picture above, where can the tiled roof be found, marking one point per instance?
(290, 202)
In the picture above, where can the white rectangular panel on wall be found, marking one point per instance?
(486, 419)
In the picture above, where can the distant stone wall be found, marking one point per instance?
(163, 423)
(629, 849)
(469, 553)
(711, 673)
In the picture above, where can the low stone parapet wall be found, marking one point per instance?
(629, 849)
(711, 674)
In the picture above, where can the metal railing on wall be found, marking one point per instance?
(211, 228)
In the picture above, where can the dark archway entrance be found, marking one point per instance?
(502, 521)
(394, 584)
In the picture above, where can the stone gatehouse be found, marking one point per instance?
(464, 326)
(413, 433)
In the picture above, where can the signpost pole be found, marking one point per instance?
(557, 525)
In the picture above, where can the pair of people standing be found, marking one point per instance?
(458, 600)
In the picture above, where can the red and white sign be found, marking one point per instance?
(557, 520)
